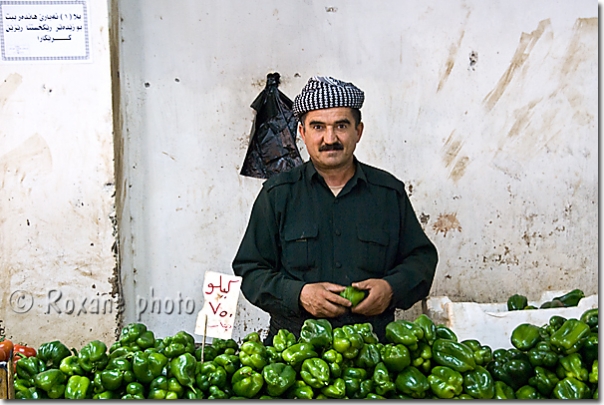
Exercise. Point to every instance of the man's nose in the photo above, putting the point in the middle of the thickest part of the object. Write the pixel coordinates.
(330, 136)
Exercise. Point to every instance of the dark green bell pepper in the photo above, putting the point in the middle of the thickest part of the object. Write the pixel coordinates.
(368, 356)
(421, 357)
(395, 356)
(590, 317)
(517, 302)
(210, 374)
(317, 332)
(183, 367)
(230, 362)
(300, 390)
(511, 366)
(336, 389)
(455, 355)
(528, 392)
(405, 333)
(554, 323)
(544, 381)
(51, 353)
(571, 298)
(147, 365)
(570, 337)
(180, 343)
(252, 337)
(354, 295)
(223, 344)
(209, 353)
(479, 383)
(443, 332)
(52, 381)
(111, 379)
(334, 360)
(571, 388)
(283, 339)
(525, 336)
(93, 356)
(315, 372)
(78, 387)
(382, 382)
(589, 350)
(28, 367)
(71, 366)
(552, 304)
(131, 332)
(572, 366)
(253, 354)
(445, 382)
(412, 382)
(279, 377)
(106, 395)
(272, 355)
(366, 331)
(30, 393)
(217, 393)
(347, 341)
(542, 355)
(297, 353)
(247, 382)
(483, 354)
(428, 326)
(352, 377)
(503, 391)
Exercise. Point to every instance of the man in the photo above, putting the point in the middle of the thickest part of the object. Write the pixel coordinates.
(330, 223)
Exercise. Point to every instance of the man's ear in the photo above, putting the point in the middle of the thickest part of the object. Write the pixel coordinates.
(359, 129)
(301, 131)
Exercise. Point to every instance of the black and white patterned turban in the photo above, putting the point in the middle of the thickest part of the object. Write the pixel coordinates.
(326, 92)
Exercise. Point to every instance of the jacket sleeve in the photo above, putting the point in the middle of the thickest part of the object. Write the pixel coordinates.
(412, 277)
(258, 262)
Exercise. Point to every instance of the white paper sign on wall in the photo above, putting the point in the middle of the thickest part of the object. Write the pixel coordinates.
(220, 295)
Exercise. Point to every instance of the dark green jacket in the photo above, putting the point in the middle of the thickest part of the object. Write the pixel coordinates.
(299, 233)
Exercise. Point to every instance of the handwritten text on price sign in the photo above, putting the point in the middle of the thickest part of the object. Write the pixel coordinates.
(220, 295)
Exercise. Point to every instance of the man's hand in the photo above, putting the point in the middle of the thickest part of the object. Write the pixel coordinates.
(378, 299)
(322, 300)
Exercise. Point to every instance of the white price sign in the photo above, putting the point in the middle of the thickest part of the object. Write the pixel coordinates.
(220, 296)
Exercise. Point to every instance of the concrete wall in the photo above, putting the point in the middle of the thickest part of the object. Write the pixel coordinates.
(57, 184)
(487, 110)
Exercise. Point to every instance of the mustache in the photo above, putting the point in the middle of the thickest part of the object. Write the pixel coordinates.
(332, 146)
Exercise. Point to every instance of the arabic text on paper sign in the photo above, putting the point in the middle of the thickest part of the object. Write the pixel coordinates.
(220, 294)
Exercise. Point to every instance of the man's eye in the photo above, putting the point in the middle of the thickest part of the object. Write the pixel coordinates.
(317, 127)
(342, 126)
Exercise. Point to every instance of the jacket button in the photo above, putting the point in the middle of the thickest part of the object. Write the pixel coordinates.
(338, 265)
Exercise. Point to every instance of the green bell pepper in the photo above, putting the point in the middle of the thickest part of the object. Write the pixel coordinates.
(52, 381)
(253, 354)
(193, 395)
(71, 366)
(590, 317)
(554, 323)
(252, 337)
(503, 391)
(297, 353)
(381, 380)
(183, 368)
(51, 353)
(528, 392)
(552, 304)
(542, 355)
(589, 350)
(111, 380)
(405, 333)
(354, 295)
(421, 357)
(315, 372)
(570, 337)
(279, 377)
(336, 389)
(371, 395)
(272, 355)
(544, 380)
(28, 367)
(593, 374)
(221, 345)
(209, 353)
(93, 356)
(217, 393)
(511, 366)
(247, 382)
(348, 341)
(210, 374)
(334, 361)
(182, 342)
(428, 326)
(442, 332)
(395, 356)
(412, 382)
(455, 355)
(131, 332)
(369, 356)
(30, 393)
(300, 390)
(283, 339)
(517, 302)
(572, 366)
(525, 336)
(571, 388)
(483, 354)
(317, 332)
(78, 387)
(105, 395)
(147, 365)
(479, 383)
(366, 331)
(571, 298)
(352, 380)
(445, 382)
(230, 362)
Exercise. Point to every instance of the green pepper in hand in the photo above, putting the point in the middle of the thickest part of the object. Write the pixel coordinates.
(354, 295)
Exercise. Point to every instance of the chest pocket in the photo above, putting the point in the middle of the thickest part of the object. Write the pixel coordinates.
(301, 246)
(373, 245)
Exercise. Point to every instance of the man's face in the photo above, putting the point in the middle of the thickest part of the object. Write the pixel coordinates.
(330, 137)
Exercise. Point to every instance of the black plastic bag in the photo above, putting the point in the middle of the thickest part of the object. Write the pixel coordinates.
(272, 147)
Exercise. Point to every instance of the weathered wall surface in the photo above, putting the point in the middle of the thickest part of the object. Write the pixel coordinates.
(486, 110)
(57, 197)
